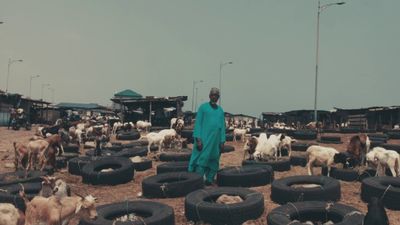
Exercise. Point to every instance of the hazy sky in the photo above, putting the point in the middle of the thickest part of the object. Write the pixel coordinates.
(88, 50)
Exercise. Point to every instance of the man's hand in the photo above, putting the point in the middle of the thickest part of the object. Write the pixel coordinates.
(199, 145)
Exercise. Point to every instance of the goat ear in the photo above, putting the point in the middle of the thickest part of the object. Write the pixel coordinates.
(78, 207)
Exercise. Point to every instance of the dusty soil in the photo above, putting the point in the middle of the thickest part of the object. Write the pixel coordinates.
(129, 191)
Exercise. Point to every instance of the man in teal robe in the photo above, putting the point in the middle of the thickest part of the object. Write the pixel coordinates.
(209, 138)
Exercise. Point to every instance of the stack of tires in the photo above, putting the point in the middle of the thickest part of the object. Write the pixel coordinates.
(123, 136)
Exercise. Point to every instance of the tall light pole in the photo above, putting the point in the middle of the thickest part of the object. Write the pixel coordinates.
(11, 61)
(43, 85)
(30, 84)
(320, 9)
(194, 85)
(52, 94)
(221, 65)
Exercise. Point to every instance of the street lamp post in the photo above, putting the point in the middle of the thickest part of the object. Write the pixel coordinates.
(30, 84)
(43, 85)
(193, 96)
(10, 61)
(320, 9)
(52, 94)
(221, 65)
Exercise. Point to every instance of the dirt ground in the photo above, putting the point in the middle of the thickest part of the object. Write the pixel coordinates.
(129, 191)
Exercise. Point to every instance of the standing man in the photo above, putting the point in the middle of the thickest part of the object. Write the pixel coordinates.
(209, 135)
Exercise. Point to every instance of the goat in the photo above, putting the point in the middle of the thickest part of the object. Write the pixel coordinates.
(321, 156)
(143, 125)
(21, 155)
(382, 158)
(240, 132)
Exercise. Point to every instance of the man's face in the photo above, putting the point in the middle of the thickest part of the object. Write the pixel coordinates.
(214, 98)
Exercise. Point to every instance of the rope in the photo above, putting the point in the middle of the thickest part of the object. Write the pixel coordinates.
(352, 213)
(384, 193)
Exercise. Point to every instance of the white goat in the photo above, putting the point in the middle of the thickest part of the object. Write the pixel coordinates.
(382, 159)
(319, 155)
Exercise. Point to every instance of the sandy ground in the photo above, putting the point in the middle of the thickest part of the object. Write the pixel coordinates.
(129, 191)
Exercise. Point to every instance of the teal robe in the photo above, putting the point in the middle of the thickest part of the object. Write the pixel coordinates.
(210, 129)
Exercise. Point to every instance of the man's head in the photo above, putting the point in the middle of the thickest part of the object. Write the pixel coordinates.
(214, 95)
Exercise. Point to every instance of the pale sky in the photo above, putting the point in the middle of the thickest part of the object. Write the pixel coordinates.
(88, 50)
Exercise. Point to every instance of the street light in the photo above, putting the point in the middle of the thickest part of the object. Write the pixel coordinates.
(43, 85)
(11, 61)
(52, 94)
(320, 9)
(30, 84)
(194, 84)
(221, 65)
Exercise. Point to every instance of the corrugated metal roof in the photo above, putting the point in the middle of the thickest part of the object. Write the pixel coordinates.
(79, 105)
(128, 94)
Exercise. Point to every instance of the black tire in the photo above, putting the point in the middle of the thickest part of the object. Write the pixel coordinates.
(246, 176)
(153, 213)
(305, 135)
(393, 135)
(228, 148)
(391, 147)
(61, 162)
(377, 143)
(315, 211)
(280, 165)
(143, 165)
(378, 136)
(72, 148)
(282, 192)
(331, 138)
(171, 185)
(132, 152)
(75, 165)
(255, 130)
(350, 130)
(128, 136)
(384, 140)
(123, 171)
(188, 134)
(176, 156)
(229, 137)
(32, 176)
(138, 143)
(114, 148)
(366, 174)
(104, 153)
(341, 174)
(298, 160)
(173, 167)
(301, 147)
(200, 206)
(69, 155)
(11, 194)
(379, 187)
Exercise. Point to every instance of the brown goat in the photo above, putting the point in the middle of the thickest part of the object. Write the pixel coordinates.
(21, 155)
(359, 146)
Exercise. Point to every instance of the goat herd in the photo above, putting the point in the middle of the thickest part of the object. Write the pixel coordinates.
(32, 195)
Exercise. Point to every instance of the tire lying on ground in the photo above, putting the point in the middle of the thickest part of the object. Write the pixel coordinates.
(182, 155)
(188, 134)
(298, 160)
(393, 134)
(75, 165)
(104, 152)
(145, 164)
(173, 167)
(283, 164)
(284, 191)
(132, 152)
(69, 155)
(315, 211)
(229, 137)
(228, 148)
(150, 213)
(305, 135)
(330, 140)
(11, 193)
(302, 147)
(391, 147)
(122, 172)
(19, 177)
(61, 162)
(74, 148)
(245, 176)
(137, 143)
(366, 174)
(128, 136)
(201, 206)
(171, 185)
(114, 148)
(341, 174)
(387, 188)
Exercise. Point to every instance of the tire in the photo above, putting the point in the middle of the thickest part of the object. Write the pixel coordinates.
(153, 213)
(128, 136)
(61, 162)
(298, 160)
(305, 135)
(114, 148)
(280, 165)
(255, 130)
(33, 176)
(301, 147)
(71, 148)
(282, 192)
(228, 148)
(391, 147)
(331, 138)
(173, 167)
(175, 156)
(104, 153)
(229, 137)
(377, 186)
(11, 194)
(69, 156)
(144, 165)
(75, 165)
(376, 143)
(188, 134)
(378, 136)
(132, 152)
(374, 139)
(138, 143)
(122, 173)
(366, 174)
(393, 135)
(246, 176)
(171, 185)
(341, 174)
(315, 211)
(349, 130)
(200, 206)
